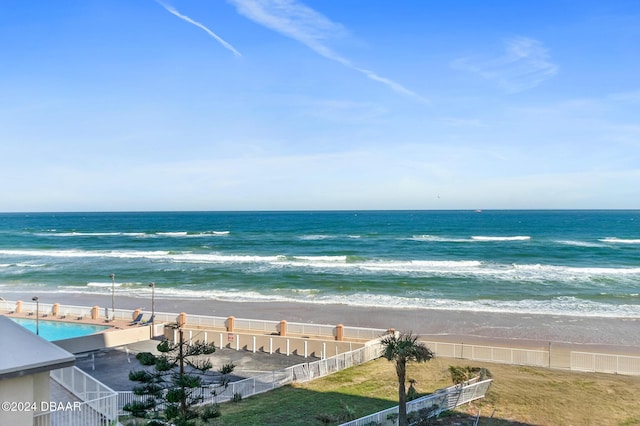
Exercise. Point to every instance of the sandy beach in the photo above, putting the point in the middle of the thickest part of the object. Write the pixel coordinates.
(619, 335)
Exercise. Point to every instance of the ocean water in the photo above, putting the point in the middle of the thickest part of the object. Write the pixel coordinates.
(584, 263)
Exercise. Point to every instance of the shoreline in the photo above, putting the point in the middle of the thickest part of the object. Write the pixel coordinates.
(528, 329)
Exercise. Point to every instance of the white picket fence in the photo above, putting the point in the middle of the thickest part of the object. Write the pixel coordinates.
(436, 403)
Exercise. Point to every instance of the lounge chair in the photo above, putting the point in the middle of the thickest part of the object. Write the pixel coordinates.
(137, 320)
(149, 321)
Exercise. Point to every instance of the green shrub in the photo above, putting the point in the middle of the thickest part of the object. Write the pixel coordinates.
(146, 358)
(163, 363)
(210, 411)
(138, 408)
(460, 375)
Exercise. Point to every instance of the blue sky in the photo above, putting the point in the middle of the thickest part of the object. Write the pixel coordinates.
(321, 104)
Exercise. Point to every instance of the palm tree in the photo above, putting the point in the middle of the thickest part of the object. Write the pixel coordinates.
(401, 348)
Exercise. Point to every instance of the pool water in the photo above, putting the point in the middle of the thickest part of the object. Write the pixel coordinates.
(56, 330)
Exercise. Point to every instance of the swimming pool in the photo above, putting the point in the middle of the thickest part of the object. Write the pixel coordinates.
(57, 330)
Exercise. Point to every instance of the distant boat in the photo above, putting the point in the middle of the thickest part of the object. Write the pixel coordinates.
(478, 211)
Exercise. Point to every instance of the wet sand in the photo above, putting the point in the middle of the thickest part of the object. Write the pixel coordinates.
(458, 326)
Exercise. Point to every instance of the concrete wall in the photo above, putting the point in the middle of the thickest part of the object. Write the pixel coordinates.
(18, 393)
(107, 339)
(288, 345)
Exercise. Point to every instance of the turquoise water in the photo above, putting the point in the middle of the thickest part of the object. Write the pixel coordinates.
(55, 330)
(557, 262)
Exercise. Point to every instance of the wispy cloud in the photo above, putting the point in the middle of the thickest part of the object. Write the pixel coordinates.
(174, 12)
(525, 64)
(309, 27)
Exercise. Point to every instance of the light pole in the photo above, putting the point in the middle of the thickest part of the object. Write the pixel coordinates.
(153, 306)
(35, 299)
(113, 293)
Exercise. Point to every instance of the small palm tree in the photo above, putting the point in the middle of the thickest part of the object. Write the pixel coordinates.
(402, 348)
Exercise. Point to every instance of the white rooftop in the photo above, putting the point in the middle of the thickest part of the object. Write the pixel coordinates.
(24, 353)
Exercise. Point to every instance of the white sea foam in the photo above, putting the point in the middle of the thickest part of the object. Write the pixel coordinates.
(157, 255)
(22, 265)
(345, 265)
(173, 234)
(53, 233)
(491, 238)
(579, 243)
(435, 238)
(615, 240)
(340, 259)
(104, 284)
(564, 306)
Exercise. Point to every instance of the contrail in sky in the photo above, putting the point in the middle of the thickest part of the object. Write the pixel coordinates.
(199, 25)
(525, 65)
(311, 28)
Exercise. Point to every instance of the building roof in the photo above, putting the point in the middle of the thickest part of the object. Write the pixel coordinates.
(25, 353)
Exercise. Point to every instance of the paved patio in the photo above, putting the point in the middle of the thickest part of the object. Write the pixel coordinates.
(112, 366)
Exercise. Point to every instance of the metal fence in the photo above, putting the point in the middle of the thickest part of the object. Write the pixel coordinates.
(96, 404)
(512, 356)
(605, 363)
(265, 382)
(434, 404)
(580, 361)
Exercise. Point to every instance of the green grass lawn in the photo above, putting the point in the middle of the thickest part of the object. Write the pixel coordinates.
(348, 394)
(518, 396)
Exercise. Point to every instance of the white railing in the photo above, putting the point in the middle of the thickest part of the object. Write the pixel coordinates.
(274, 379)
(580, 361)
(320, 330)
(501, 355)
(363, 333)
(203, 321)
(97, 405)
(605, 363)
(434, 404)
(263, 326)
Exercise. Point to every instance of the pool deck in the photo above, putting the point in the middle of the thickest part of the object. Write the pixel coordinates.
(119, 332)
(116, 324)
